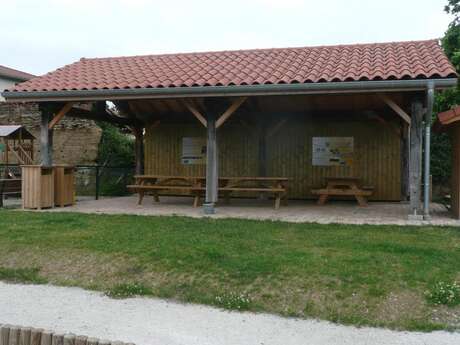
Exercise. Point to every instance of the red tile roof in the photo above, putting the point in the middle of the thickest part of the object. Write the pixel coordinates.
(449, 116)
(379, 61)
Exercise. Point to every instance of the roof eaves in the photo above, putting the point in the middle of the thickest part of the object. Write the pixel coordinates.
(234, 90)
(15, 74)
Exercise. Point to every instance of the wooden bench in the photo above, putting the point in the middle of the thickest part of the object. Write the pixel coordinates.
(141, 189)
(196, 186)
(343, 186)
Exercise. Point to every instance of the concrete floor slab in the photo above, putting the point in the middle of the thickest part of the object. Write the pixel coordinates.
(297, 211)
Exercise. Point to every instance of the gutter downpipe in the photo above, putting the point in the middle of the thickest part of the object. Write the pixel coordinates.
(428, 115)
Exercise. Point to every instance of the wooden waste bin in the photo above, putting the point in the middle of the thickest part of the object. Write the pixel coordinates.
(37, 186)
(64, 185)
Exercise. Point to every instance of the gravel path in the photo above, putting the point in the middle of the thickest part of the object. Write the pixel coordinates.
(152, 321)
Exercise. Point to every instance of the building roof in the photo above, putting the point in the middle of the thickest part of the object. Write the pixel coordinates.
(13, 132)
(14, 74)
(449, 116)
(342, 63)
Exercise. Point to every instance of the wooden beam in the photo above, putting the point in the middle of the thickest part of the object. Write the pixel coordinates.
(65, 109)
(195, 112)
(415, 163)
(396, 108)
(405, 167)
(231, 109)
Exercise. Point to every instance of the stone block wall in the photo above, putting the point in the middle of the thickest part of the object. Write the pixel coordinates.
(75, 140)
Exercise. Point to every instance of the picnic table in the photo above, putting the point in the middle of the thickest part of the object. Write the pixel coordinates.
(343, 186)
(196, 186)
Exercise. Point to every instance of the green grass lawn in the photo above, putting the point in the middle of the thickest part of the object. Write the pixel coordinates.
(362, 275)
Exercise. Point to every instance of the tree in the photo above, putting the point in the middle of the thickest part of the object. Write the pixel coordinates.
(453, 7)
(441, 146)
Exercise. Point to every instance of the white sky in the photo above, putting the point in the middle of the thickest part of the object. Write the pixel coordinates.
(41, 35)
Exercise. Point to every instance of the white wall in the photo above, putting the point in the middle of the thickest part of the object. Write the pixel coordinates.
(5, 84)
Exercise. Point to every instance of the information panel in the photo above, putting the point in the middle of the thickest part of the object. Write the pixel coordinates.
(331, 151)
(193, 150)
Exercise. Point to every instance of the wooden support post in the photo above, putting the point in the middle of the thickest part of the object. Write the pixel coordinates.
(14, 335)
(69, 339)
(455, 179)
(211, 165)
(139, 149)
(80, 340)
(36, 336)
(97, 183)
(4, 334)
(24, 337)
(46, 338)
(58, 339)
(46, 137)
(415, 164)
(405, 158)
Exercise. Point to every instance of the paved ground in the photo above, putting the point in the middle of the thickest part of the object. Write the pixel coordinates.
(158, 322)
(296, 211)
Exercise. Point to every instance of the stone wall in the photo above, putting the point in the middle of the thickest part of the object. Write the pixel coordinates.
(75, 141)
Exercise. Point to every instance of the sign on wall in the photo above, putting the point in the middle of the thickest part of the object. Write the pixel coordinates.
(193, 150)
(331, 151)
(2, 147)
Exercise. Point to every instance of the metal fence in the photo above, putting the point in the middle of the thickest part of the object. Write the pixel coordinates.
(100, 180)
(94, 180)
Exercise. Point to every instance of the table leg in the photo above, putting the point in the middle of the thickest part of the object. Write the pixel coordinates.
(196, 199)
(277, 200)
(362, 201)
(141, 197)
(323, 199)
(227, 197)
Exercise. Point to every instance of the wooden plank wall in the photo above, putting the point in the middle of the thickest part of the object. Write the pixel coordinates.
(455, 135)
(289, 152)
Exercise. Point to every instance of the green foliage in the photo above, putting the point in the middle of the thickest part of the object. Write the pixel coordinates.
(128, 290)
(441, 155)
(453, 7)
(115, 147)
(444, 293)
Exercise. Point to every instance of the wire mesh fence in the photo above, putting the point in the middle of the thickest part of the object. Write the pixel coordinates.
(97, 180)
(90, 180)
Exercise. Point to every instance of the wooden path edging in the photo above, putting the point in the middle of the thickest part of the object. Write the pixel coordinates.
(16, 335)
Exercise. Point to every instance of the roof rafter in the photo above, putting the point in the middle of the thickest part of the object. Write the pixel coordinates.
(396, 108)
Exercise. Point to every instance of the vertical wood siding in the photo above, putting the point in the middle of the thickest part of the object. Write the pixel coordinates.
(377, 153)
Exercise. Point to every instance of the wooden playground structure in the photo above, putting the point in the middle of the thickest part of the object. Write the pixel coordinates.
(16, 147)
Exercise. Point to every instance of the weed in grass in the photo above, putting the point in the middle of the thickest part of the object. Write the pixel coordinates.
(444, 293)
(21, 275)
(128, 290)
(233, 301)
